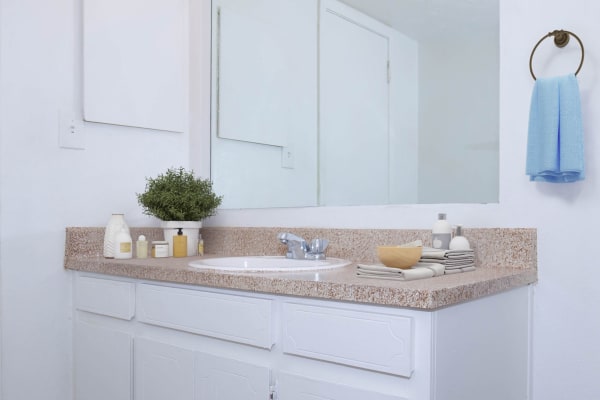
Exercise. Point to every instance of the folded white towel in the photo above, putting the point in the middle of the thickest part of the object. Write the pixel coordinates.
(437, 268)
(451, 263)
(448, 260)
(459, 266)
(459, 270)
(417, 271)
(451, 259)
(430, 252)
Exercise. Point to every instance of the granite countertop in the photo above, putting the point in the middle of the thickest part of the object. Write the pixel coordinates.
(340, 284)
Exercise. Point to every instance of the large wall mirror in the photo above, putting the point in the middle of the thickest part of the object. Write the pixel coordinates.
(354, 102)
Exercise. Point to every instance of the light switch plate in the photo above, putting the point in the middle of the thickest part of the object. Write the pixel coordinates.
(71, 133)
(287, 158)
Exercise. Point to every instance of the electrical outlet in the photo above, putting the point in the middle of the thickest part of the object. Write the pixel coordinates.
(71, 133)
(287, 158)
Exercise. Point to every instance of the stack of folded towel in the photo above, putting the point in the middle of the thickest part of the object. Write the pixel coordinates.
(454, 261)
(420, 270)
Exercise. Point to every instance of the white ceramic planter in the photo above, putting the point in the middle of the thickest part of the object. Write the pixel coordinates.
(190, 228)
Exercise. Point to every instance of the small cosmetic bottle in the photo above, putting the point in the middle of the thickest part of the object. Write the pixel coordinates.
(441, 234)
(200, 245)
(141, 247)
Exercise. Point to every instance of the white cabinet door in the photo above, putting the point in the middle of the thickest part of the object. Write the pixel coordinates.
(296, 387)
(354, 108)
(103, 363)
(219, 378)
(163, 371)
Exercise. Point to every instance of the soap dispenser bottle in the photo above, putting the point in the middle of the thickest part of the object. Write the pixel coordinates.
(441, 233)
(180, 244)
(459, 242)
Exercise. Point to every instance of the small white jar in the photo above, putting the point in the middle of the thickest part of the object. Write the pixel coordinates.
(160, 249)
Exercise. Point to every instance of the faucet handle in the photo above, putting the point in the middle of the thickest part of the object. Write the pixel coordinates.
(318, 245)
(317, 249)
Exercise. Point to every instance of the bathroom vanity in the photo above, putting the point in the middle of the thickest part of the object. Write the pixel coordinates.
(158, 329)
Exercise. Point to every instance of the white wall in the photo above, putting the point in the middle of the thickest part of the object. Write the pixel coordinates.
(566, 352)
(44, 189)
(458, 121)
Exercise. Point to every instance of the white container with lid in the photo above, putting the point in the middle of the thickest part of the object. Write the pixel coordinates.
(160, 249)
(459, 242)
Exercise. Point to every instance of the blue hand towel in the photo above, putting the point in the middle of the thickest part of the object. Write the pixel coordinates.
(555, 141)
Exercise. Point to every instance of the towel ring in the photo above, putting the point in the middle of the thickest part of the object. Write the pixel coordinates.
(561, 38)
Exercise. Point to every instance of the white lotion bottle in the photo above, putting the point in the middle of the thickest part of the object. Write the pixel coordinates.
(441, 234)
(459, 242)
(123, 245)
(114, 226)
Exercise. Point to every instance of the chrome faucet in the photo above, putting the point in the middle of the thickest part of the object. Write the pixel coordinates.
(299, 249)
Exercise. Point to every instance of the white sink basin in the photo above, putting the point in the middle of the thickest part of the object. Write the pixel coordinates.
(267, 263)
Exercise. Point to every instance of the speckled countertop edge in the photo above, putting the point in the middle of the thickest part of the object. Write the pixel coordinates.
(518, 268)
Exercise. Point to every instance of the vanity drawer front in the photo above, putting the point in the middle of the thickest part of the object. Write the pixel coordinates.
(239, 319)
(370, 340)
(105, 296)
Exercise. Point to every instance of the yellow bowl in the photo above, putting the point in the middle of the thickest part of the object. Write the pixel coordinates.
(399, 257)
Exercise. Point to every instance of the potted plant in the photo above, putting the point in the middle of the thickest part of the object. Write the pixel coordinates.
(179, 200)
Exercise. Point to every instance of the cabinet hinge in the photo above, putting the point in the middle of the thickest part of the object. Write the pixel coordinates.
(389, 72)
(272, 393)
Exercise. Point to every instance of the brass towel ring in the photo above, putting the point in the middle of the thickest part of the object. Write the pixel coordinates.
(561, 38)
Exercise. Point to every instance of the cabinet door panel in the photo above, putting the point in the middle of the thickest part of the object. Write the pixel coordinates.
(219, 378)
(296, 387)
(163, 372)
(103, 363)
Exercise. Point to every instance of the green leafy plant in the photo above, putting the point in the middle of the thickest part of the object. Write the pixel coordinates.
(178, 196)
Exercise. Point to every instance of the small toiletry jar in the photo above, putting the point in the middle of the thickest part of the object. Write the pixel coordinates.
(160, 249)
